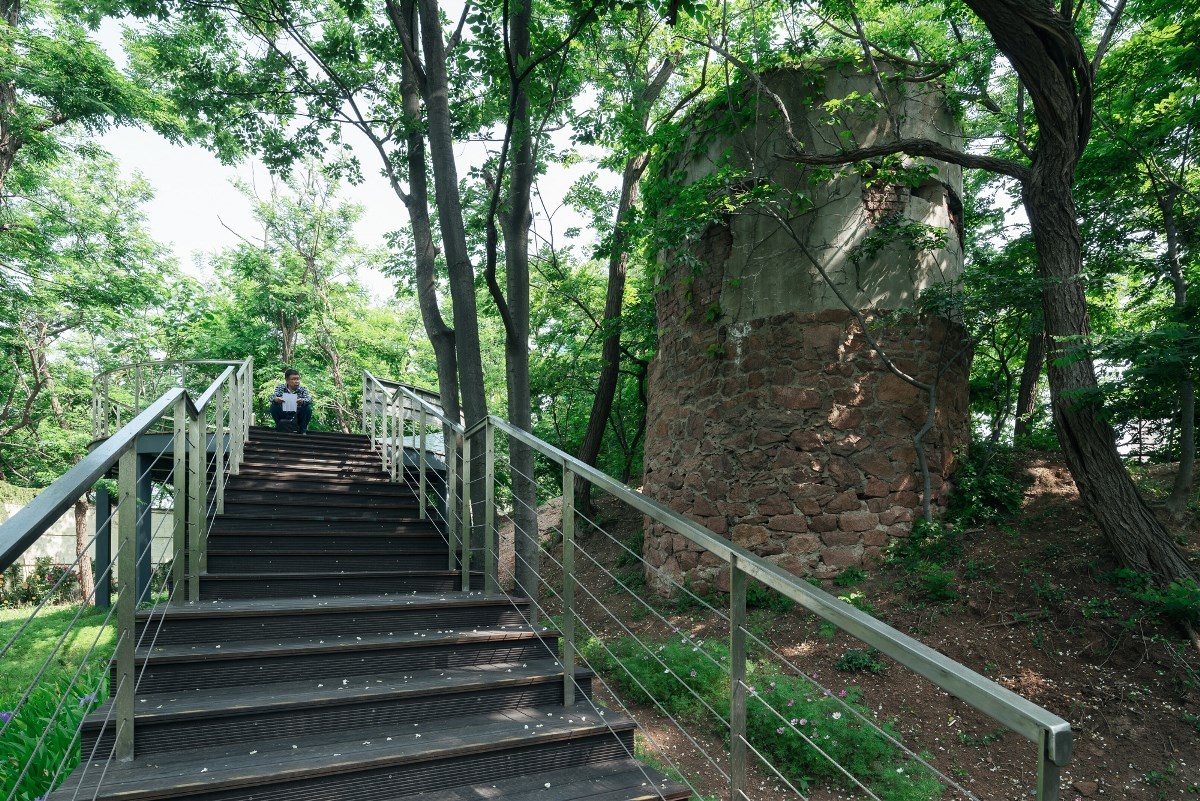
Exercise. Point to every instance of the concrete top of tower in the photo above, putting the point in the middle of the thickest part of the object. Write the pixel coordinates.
(880, 231)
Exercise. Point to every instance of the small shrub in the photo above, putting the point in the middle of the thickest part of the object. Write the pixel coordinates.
(760, 596)
(46, 582)
(850, 577)
(936, 583)
(929, 542)
(859, 661)
(1178, 602)
(984, 489)
(786, 716)
(677, 673)
(47, 710)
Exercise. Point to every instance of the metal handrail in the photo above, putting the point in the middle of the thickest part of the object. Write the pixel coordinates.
(1051, 733)
(103, 402)
(24, 528)
(229, 400)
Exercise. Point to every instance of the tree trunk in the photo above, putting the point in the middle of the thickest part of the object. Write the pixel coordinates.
(1181, 491)
(417, 203)
(610, 354)
(1049, 59)
(450, 217)
(516, 340)
(10, 140)
(436, 92)
(87, 582)
(1031, 373)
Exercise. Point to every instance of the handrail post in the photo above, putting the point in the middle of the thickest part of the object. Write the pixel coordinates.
(104, 417)
(452, 501)
(489, 515)
(179, 479)
(123, 703)
(137, 390)
(737, 680)
(219, 448)
(421, 453)
(364, 404)
(235, 421)
(197, 480)
(568, 566)
(466, 515)
(249, 394)
(104, 509)
(1048, 771)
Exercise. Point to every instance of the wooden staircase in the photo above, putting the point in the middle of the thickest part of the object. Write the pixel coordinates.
(331, 656)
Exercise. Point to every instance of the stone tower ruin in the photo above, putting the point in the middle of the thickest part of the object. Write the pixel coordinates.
(772, 420)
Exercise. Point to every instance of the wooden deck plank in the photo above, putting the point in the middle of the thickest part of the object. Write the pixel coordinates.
(283, 648)
(153, 707)
(244, 765)
(357, 603)
(606, 781)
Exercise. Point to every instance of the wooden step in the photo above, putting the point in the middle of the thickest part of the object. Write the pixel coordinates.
(231, 524)
(224, 621)
(423, 537)
(229, 586)
(368, 764)
(241, 663)
(190, 719)
(285, 512)
(615, 780)
(331, 488)
(322, 561)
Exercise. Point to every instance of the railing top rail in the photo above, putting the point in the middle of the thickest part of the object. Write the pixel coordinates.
(22, 530)
(410, 392)
(1017, 713)
(162, 363)
(203, 401)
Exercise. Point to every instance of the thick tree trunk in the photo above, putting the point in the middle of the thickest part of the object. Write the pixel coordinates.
(417, 203)
(450, 217)
(516, 340)
(1048, 57)
(1031, 373)
(87, 582)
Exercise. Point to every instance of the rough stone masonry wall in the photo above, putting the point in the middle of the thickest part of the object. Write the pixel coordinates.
(787, 434)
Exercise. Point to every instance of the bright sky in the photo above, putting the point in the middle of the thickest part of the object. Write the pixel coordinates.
(196, 205)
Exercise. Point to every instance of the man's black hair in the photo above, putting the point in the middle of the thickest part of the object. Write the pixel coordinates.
(288, 373)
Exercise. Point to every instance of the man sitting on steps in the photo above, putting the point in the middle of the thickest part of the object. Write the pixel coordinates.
(282, 403)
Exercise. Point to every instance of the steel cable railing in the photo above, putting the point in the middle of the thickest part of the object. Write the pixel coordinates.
(545, 612)
(477, 494)
(203, 442)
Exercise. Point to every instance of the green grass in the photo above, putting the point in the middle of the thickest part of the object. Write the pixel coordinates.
(29, 653)
(41, 742)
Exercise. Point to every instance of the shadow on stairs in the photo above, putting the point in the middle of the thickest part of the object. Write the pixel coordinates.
(331, 657)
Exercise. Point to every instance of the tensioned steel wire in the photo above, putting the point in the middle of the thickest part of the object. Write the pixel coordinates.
(629, 591)
(70, 627)
(853, 711)
(658, 748)
(86, 765)
(41, 672)
(785, 721)
(86, 699)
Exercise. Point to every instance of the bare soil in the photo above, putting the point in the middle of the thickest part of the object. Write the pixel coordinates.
(1038, 613)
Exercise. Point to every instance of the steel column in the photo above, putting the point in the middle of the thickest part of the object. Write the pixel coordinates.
(737, 680)
(179, 507)
(123, 701)
(568, 566)
(489, 515)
